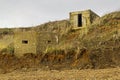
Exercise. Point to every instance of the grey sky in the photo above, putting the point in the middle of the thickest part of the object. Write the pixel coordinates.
(15, 13)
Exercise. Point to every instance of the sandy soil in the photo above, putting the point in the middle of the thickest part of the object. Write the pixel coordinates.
(88, 74)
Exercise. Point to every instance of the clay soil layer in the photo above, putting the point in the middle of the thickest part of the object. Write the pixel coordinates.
(87, 74)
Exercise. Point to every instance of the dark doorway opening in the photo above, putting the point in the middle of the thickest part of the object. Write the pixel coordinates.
(25, 41)
(79, 20)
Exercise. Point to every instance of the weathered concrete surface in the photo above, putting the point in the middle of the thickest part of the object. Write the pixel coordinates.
(88, 17)
(25, 42)
(46, 40)
(33, 42)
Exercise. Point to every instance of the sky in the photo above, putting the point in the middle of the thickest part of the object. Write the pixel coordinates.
(26, 13)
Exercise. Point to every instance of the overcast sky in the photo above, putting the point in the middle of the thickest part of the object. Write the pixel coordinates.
(16, 13)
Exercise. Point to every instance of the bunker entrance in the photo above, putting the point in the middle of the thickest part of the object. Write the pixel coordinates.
(79, 20)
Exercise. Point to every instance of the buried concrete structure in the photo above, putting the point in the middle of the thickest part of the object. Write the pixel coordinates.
(30, 41)
(27, 40)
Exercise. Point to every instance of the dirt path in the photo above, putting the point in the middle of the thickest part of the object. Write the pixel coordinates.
(101, 74)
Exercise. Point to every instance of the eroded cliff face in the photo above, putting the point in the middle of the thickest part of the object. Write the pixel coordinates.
(98, 48)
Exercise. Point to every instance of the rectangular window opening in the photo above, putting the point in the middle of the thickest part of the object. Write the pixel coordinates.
(79, 20)
(49, 41)
(25, 41)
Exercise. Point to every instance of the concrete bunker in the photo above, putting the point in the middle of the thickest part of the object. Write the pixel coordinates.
(81, 19)
(30, 41)
(45, 40)
(25, 42)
